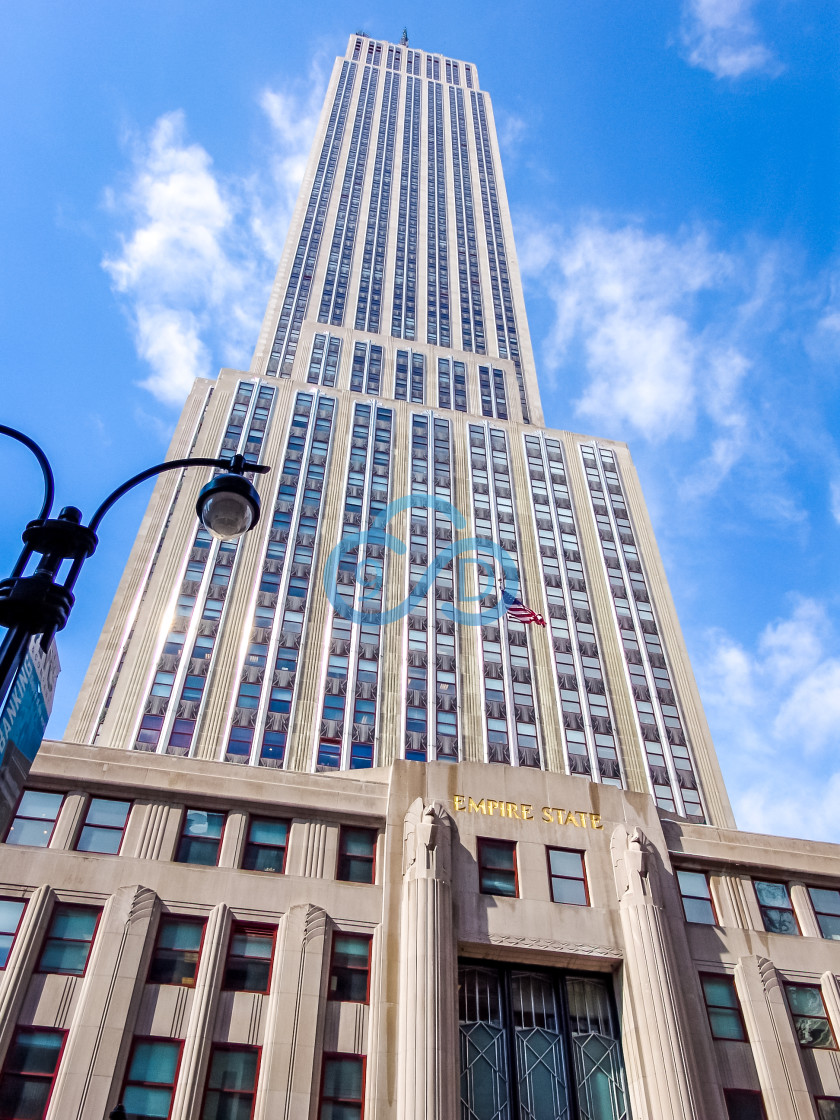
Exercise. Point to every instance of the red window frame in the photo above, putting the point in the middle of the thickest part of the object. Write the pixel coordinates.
(214, 1049)
(137, 1041)
(342, 853)
(177, 918)
(262, 931)
(322, 1100)
(252, 820)
(109, 828)
(75, 941)
(194, 809)
(734, 1094)
(16, 931)
(483, 844)
(697, 897)
(359, 937)
(17, 808)
(36, 1076)
(552, 875)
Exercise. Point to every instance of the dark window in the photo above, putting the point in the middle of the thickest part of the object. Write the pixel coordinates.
(175, 959)
(723, 1008)
(809, 1018)
(350, 968)
(29, 1072)
(697, 898)
(568, 877)
(231, 1083)
(201, 838)
(248, 966)
(827, 907)
(35, 819)
(150, 1081)
(11, 912)
(776, 909)
(104, 826)
(265, 848)
(742, 1104)
(342, 1087)
(828, 1108)
(356, 855)
(69, 939)
(497, 867)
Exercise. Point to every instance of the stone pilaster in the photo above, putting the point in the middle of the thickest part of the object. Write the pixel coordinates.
(290, 1067)
(661, 1072)
(199, 1033)
(773, 1039)
(804, 910)
(428, 1028)
(106, 1007)
(22, 961)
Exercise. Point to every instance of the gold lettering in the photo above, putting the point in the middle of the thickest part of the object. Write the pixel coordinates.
(460, 802)
(595, 820)
(546, 814)
(476, 806)
(512, 810)
(572, 819)
(582, 819)
(527, 812)
(491, 805)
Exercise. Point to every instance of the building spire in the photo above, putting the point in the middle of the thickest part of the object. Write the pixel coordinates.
(404, 37)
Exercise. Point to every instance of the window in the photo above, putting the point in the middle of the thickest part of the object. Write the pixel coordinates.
(35, 819)
(150, 1081)
(776, 909)
(178, 945)
(201, 838)
(723, 1008)
(231, 1083)
(828, 1108)
(248, 966)
(11, 912)
(350, 968)
(69, 939)
(29, 1072)
(696, 897)
(104, 826)
(827, 907)
(356, 855)
(809, 1018)
(558, 1031)
(743, 1104)
(497, 867)
(567, 876)
(265, 848)
(342, 1087)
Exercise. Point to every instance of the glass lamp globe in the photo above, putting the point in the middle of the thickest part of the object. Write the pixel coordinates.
(228, 506)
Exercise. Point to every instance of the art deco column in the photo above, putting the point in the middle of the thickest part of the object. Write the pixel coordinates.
(199, 1033)
(427, 1055)
(106, 1007)
(663, 1080)
(775, 1048)
(21, 962)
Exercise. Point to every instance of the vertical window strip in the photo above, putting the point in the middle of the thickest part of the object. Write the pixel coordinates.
(403, 320)
(670, 766)
(460, 380)
(357, 50)
(316, 359)
(286, 337)
(472, 315)
(588, 726)
(442, 635)
(337, 276)
(500, 398)
(324, 359)
(366, 372)
(484, 388)
(401, 375)
(419, 627)
(444, 384)
(187, 629)
(418, 378)
(506, 328)
(369, 303)
(438, 321)
(397, 63)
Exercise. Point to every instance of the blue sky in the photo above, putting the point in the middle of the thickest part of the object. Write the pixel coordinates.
(672, 169)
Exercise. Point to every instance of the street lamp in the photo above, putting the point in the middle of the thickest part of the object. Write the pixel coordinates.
(227, 506)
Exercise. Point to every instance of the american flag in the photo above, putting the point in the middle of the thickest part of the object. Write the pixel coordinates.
(520, 612)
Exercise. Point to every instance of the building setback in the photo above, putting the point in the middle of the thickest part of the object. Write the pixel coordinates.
(333, 835)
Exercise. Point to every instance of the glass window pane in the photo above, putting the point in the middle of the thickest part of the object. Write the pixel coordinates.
(829, 926)
(10, 914)
(343, 1078)
(829, 1108)
(827, 902)
(155, 1062)
(43, 806)
(74, 924)
(105, 841)
(233, 1070)
(259, 858)
(814, 1034)
(779, 921)
(64, 956)
(206, 825)
(34, 833)
(693, 883)
(110, 814)
(146, 1103)
(24, 1098)
(269, 832)
(719, 992)
(725, 1023)
(254, 945)
(805, 1000)
(35, 1051)
(357, 841)
(498, 856)
(175, 934)
(772, 894)
(566, 863)
(570, 891)
(498, 882)
(699, 910)
(743, 1105)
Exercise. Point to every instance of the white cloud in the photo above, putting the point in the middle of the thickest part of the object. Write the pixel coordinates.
(775, 717)
(721, 36)
(197, 249)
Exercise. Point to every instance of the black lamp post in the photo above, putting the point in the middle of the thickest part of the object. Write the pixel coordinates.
(30, 605)
(117, 1113)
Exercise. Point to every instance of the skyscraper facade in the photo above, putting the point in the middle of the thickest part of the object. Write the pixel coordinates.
(404, 804)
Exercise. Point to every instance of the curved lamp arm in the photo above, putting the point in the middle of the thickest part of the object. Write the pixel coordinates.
(43, 462)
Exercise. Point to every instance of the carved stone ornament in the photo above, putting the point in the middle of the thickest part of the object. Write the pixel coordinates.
(427, 841)
(629, 852)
